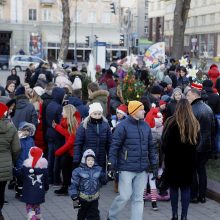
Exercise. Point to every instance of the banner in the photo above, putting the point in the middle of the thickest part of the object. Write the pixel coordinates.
(155, 54)
(35, 45)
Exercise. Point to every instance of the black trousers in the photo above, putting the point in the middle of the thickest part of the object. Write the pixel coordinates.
(199, 184)
(88, 211)
(2, 194)
(66, 167)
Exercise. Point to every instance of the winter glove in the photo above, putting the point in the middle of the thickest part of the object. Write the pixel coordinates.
(76, 203)
(155, 172)
(111, 172)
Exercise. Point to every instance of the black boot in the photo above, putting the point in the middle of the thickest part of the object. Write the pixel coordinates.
(175, 217)
(62, 191)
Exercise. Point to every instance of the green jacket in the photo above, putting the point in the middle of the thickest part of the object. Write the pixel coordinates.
(9, 148)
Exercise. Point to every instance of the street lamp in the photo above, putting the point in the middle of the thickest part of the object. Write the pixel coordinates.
(75, 43)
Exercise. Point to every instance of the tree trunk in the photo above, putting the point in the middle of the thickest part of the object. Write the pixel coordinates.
(180, 17)
(65, 31)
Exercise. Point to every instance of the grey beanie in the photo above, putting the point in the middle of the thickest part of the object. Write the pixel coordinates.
(176, 90)
(167, 80)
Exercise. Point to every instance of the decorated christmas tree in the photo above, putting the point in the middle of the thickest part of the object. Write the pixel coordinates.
(132, 89)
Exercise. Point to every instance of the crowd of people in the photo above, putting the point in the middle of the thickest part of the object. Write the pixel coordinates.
(60, 128)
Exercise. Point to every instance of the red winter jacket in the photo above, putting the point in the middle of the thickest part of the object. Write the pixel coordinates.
(213, 73)
(62, 128)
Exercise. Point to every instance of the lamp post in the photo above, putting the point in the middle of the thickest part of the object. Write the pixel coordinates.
(75, 43)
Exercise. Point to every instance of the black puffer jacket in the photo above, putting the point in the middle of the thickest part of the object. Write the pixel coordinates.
(211, 99)
(204, 115)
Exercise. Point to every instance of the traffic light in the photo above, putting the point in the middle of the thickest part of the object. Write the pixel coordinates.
(122, 40)
(112, 7)
(136, 43)
(87, 41)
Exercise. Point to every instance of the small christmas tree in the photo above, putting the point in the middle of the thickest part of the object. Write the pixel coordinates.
(132, 89)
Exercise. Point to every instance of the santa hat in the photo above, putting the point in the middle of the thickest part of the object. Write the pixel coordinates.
(123, 109)
(36, 153)
(196, 86)
(3, 109)
(95, 107)
(151, 115)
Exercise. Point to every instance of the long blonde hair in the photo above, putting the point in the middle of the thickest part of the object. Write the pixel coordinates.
(187, 122)
(71, 119)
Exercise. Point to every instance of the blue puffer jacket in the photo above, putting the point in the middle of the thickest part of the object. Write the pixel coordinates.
(86, 181)
(78, 103)
(93, 136)
(132, 148)
(54, 112)
(26, 144)
(205, 117)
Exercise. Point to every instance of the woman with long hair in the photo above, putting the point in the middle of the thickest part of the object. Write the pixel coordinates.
(67, 127)
(179, 141)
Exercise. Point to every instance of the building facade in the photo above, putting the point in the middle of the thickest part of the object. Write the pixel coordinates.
(36, 27)
(202, 34)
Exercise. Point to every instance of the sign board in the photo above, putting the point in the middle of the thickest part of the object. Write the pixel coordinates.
(100, 53)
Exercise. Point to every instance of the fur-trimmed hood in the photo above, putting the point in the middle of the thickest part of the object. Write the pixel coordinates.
(87, 119)
(100, 92)
(41, 163)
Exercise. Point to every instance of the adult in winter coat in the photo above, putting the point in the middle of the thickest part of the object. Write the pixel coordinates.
(9, 152)
(55, 140)
(204, 115)
(94, 133)
(67, 127)
(213, 73)
(131, 153)
(14, 77)
(210, 97)
(29, 72)
(179, 141)
(98, 95)
(24, 110)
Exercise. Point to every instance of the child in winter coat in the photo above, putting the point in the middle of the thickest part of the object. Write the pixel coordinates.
(155, 120)
(121, 114)
(67, 127)
(85, 185)
(35, 182)
(25, 132)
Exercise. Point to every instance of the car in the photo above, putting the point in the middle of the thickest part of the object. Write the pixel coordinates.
(4, 62)
(21, 62)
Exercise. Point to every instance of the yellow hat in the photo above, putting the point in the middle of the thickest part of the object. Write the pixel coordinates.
(134, 107)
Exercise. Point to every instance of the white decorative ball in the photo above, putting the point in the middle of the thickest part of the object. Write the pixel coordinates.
(31, 170)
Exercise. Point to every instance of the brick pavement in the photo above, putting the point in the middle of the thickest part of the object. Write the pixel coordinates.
(60, 208)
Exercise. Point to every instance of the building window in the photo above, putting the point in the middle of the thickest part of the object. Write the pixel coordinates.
(195, 21)
(32, 14)
(211, 45)
(106, 18)
(92, 17)
(46, 15)
(145, 29)
(212, 18)
(203, 19)
(186, 41)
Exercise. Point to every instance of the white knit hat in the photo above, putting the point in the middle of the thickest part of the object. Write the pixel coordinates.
(95, 107)
(39, 90)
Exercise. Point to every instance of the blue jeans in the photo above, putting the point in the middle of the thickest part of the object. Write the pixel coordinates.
(131, 185)
(185, 199)
(53, 163)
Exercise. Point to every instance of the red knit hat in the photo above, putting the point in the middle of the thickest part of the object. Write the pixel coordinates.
(162, 102)
(123, 109)
(36, 153)
(3, 109)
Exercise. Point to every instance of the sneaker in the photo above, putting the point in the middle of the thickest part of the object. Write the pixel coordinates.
(61, 192)
(5, 202)
(154, 206)
(194, 200)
